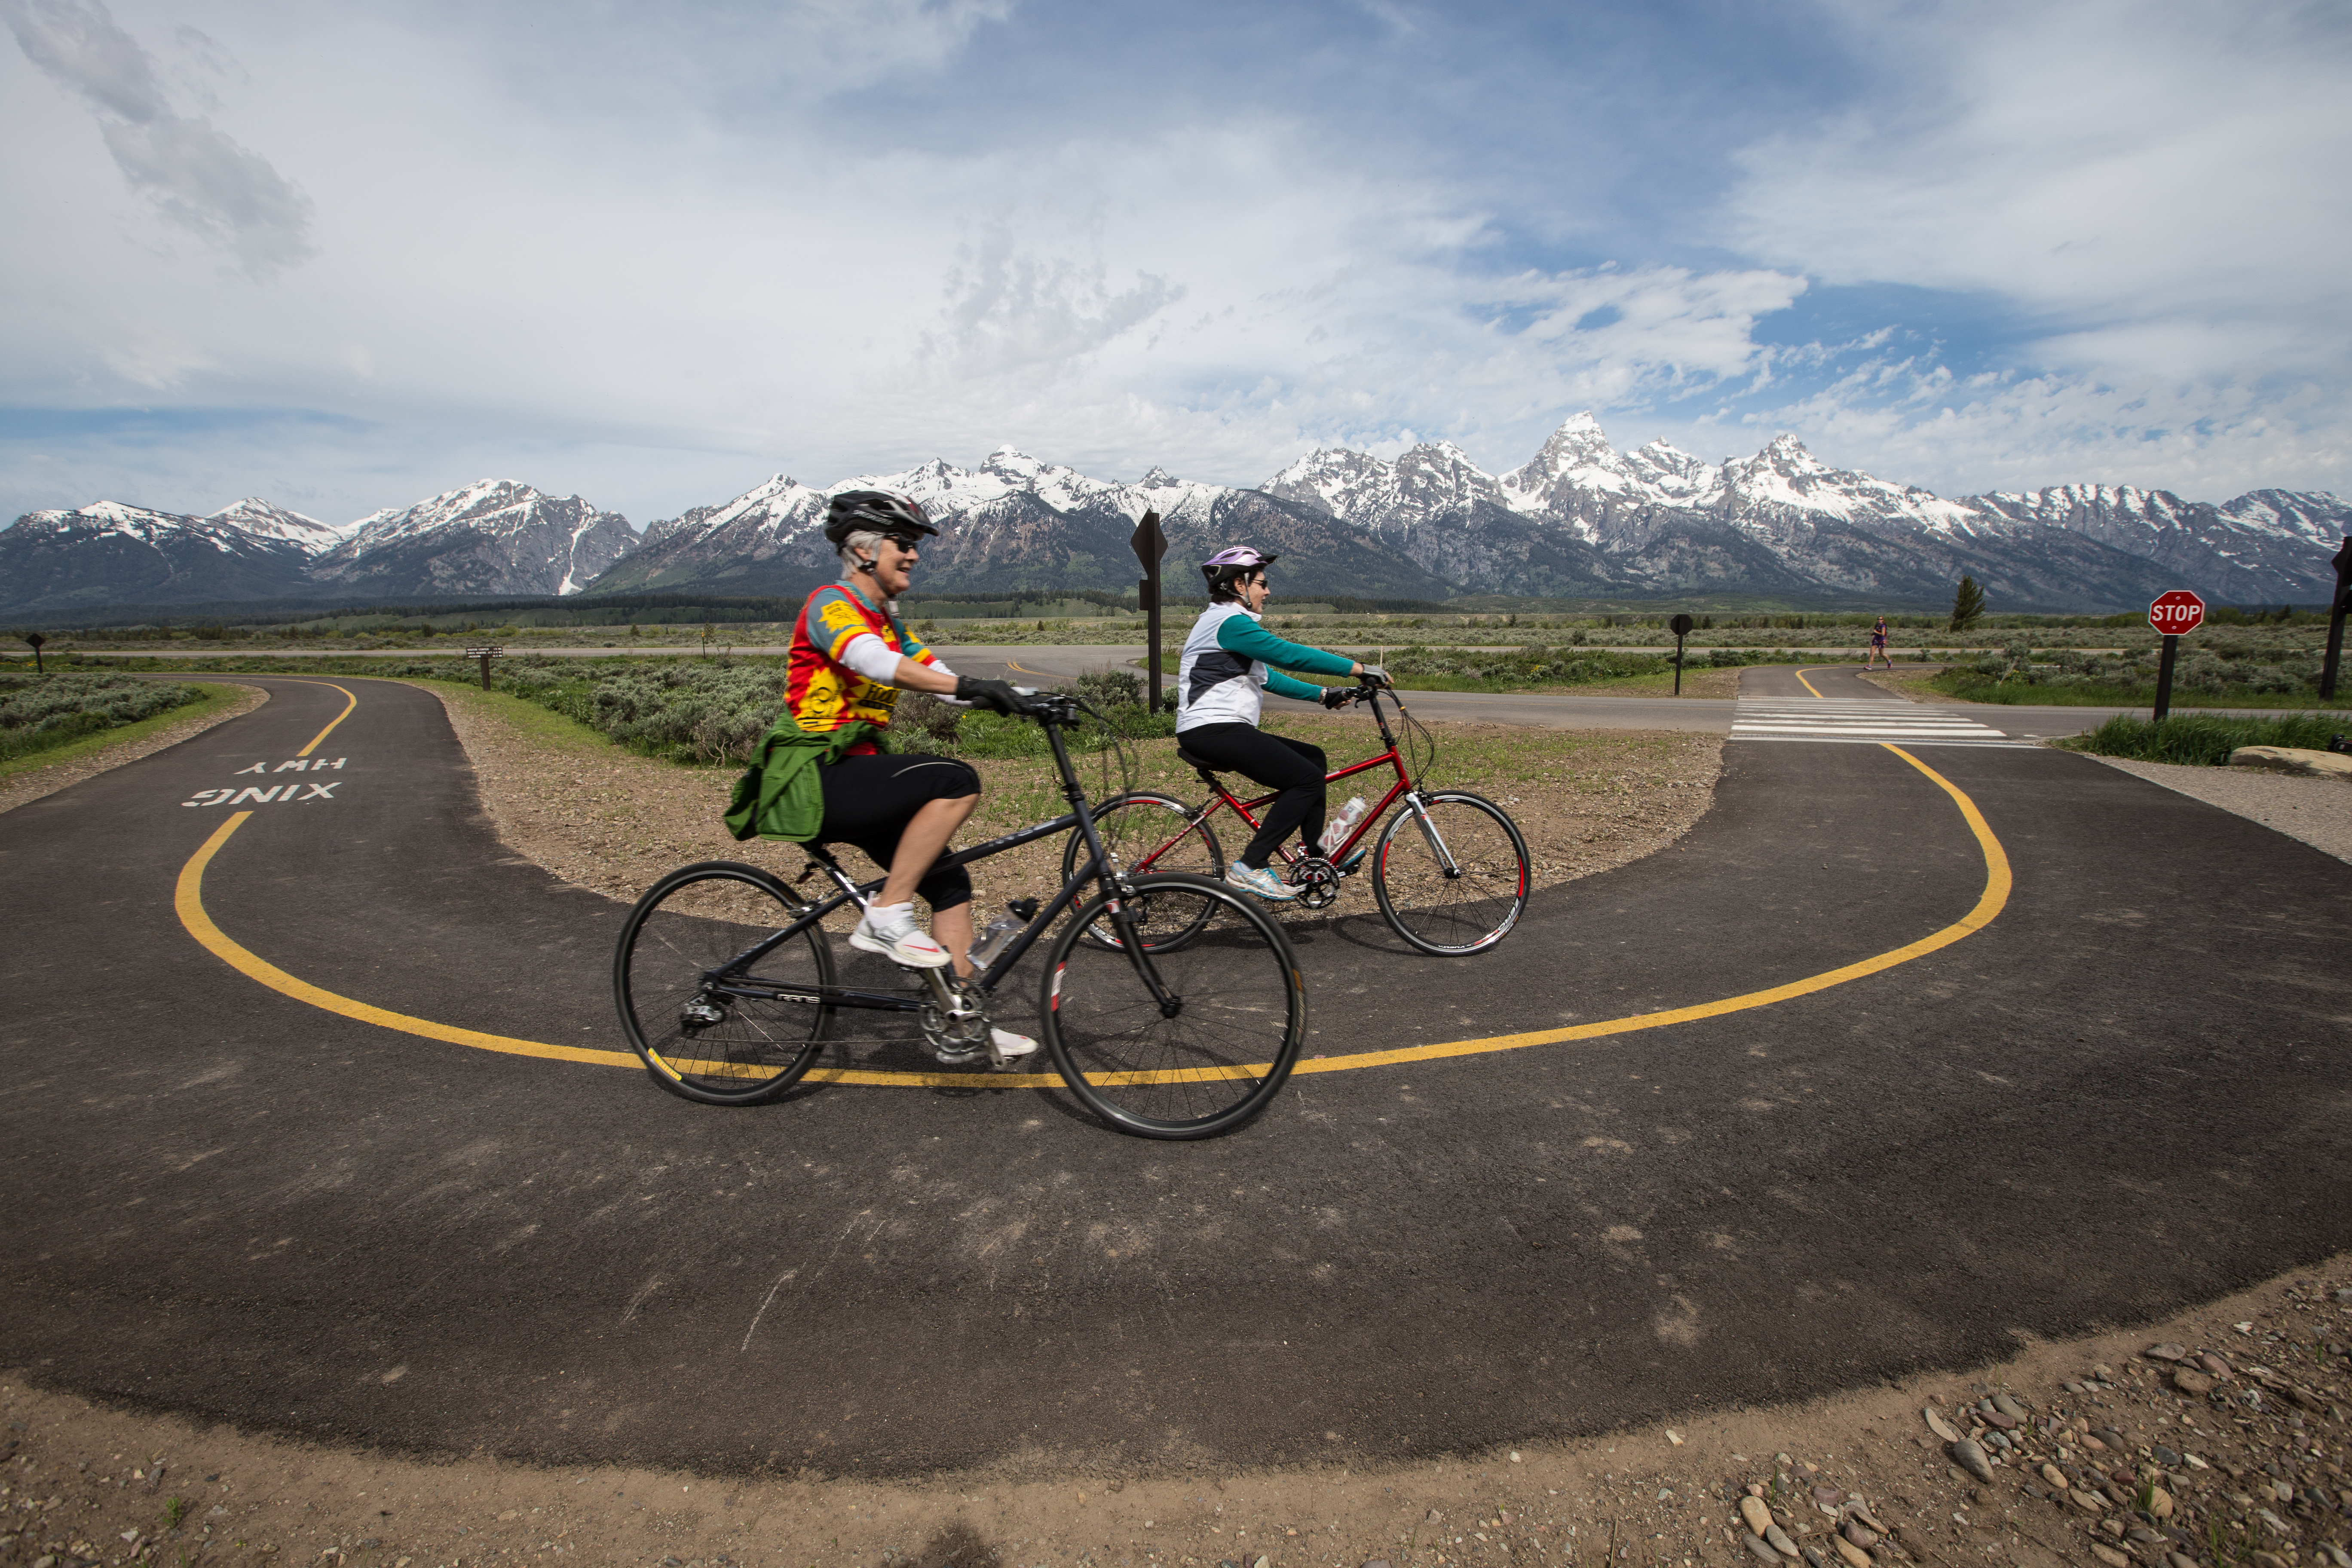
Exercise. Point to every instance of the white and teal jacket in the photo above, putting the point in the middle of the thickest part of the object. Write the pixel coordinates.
(1224, 668)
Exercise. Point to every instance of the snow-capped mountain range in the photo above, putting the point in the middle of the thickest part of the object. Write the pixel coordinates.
(493, 537)
(1579, 519)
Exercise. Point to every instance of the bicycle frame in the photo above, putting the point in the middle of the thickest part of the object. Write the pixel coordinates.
(1097, 869)
(1404, 787)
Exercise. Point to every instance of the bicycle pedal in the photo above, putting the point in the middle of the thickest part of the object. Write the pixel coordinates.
(954, 1058)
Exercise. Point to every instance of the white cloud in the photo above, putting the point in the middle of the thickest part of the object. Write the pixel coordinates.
(649, 262)
(196, 176)
(2159, 185)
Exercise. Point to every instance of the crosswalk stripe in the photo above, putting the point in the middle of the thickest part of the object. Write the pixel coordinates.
(1861, 724)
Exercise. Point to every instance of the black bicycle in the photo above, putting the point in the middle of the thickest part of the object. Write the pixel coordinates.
(729, 989)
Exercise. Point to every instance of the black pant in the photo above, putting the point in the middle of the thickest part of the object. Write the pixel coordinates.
(1294, 767)
(868, 802)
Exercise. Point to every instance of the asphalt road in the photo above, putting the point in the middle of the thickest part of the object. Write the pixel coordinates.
(2124, 1092)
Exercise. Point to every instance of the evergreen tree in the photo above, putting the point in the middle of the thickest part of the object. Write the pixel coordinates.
(1968, 604)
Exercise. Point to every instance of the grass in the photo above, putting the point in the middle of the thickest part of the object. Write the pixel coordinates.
(208, 698)
(541, 725)
(2201, 738)
(1970, 688)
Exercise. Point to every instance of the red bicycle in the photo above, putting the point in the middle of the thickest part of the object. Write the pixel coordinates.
(1449, 871)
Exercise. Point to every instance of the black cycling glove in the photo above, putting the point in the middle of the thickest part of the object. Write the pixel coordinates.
(1339, 696)
(997, 695)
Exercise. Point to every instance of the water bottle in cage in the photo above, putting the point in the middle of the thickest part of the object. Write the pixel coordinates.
(1336, 831)
(1001, 931)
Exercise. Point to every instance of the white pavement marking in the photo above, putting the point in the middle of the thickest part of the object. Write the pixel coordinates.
(1861, 723)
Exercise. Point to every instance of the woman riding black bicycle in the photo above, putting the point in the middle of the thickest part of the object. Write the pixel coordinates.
(1225, 669)
(822, 775)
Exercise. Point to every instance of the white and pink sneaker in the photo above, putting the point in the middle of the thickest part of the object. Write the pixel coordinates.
(890, 930)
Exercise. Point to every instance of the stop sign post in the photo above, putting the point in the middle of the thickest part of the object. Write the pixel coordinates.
(1680, 625)
(2172, 614)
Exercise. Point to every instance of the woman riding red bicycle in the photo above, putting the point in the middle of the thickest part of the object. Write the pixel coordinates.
(1219, 687)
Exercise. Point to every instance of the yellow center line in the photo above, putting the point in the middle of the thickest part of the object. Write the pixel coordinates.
(350, 701)
(188, 901)
(1809, 685)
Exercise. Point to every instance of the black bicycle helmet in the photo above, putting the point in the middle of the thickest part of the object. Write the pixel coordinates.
(874, 511)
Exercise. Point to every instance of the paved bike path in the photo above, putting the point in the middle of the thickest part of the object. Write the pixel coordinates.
(2121, 1094)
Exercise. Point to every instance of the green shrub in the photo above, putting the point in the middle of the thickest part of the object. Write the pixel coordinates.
(2204, 738)
(37, 713)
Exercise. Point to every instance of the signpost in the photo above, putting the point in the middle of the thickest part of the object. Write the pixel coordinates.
(2172, 614)
(1149, 545)
(36, 639)
(1680, 625)
(2336, 612)
(486, 655)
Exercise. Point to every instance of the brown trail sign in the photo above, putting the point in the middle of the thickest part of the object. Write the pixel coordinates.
(1149, 545)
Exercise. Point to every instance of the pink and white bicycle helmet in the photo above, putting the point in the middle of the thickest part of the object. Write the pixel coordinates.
(1227, 566)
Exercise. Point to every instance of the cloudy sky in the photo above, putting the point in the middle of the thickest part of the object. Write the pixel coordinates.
(347, 256)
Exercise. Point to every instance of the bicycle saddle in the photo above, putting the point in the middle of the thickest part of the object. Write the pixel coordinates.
(1190, 760)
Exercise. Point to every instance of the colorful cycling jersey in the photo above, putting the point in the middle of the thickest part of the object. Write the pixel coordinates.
(825, 694)
(1224, 669)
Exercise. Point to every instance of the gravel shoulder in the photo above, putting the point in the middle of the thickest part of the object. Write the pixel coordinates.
(605, 819)
(2212, 1440)
(2317, 811)
(46, 778)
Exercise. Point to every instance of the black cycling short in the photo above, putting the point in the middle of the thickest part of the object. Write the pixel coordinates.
(868, 802)
(1278, 761)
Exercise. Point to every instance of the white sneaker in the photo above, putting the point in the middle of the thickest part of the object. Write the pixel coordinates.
(1261, 882)
(1006, 1047)
(897, 938)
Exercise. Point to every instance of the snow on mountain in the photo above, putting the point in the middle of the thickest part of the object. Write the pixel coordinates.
(1579, 517)
(2265, 546)
(494, 536)
(110, 553)
(265, 521)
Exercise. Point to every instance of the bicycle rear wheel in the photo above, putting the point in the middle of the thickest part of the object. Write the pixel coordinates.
(1455, 883)
(705, 1012)
(1238, 1018)
(1152, 834)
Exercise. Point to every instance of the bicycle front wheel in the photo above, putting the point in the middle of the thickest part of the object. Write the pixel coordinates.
(1151, 834)
(1453, 877)
(719, 1012)
(1219, 1047)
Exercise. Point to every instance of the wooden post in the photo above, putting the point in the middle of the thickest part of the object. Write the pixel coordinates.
(2336, 612)
(2164, 677)
(1149, 545)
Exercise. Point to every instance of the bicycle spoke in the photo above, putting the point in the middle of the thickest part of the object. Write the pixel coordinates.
(1239, 1016)
(684, 941)
(1454, 881)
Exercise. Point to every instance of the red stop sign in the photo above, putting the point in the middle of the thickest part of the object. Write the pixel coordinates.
(2179, 611)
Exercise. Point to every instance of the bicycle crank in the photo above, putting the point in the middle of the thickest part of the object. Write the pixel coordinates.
(1317, 881)
(955, 1019)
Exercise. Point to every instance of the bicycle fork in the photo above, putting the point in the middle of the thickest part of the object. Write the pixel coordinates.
(1428, 827)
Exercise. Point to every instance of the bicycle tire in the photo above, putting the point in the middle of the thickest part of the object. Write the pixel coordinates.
(1162, 827)
(1450, 915)
(687, 926)
(1214, 1065)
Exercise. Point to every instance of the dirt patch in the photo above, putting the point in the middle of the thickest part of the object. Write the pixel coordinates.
(33, 783)
(2170, 1460)
(602, 818)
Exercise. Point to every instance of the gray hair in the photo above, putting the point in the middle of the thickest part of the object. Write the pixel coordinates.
(869, 540)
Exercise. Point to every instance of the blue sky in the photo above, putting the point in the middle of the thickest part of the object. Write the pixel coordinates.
(347, 258)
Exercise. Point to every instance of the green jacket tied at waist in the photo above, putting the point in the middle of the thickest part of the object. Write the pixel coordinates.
(779, 795)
